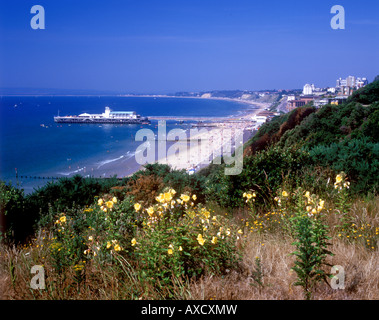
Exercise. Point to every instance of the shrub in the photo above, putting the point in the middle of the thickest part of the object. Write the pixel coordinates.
(263, 173)
(182, 239)
(15, 224)
(358, 158)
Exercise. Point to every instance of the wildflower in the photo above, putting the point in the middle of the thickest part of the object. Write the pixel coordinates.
(307, 195)
(150, 211)
(249, 195)
(169, 251)
(239, 231)
(137, 207)
(172, 191)
(100, 202)
(214, 240)
(180, 248)
(62, 219)
(338, 178)
(117, 247)
(200, 239)
(284, 194)
(134, 242)
(114, 200)
(194, 197)
(90, 238)
(185, 197)
(206, 213)
(109, 204)
(167, 196)
(108, 245)
(78, 267)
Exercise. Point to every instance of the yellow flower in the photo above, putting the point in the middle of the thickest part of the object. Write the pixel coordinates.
(284, 194)
(206, 214)
(169, 251)
(100, 202)
(180, 248)
(109, 204)
(160, 198)
(137, 206)
(214, 240)
(194, 197)
(200, 239)
(172, 191)
(108, 245)
(134, 242)
(117, 247)
(240, 231)
(114, 200)
(90, 238)
(62, 219)
(185, 197)
(167, 196)
(307, 194)
(78, 267)
(150, 211)
(338, 178)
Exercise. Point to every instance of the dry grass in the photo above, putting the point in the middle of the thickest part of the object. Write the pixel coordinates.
(360, 265)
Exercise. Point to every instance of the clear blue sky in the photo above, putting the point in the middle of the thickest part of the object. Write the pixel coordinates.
(151, 46)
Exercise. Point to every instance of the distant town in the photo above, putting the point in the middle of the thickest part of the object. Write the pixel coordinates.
(286, 100)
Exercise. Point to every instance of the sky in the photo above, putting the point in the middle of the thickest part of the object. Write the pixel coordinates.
(150, 46)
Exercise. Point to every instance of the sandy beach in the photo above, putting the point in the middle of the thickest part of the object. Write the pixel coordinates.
(210, 142)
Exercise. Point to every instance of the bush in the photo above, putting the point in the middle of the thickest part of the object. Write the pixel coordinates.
(156, 176)
(358, 158)
(263, 173)
(181, 239)
(15, 224)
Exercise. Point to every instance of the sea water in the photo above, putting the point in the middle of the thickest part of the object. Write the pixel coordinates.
(34, 149)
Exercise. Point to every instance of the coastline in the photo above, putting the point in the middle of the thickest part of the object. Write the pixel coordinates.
(127, 166)
(194, 159)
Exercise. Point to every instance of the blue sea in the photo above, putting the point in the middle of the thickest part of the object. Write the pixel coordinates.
(34, 149)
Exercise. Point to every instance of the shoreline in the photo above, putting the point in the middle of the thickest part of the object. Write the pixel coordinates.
(127, 167)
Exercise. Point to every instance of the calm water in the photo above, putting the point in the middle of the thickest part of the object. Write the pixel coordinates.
(34, 146)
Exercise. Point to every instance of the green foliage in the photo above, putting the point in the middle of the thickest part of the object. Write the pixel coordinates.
(180, 239)
(15, 221)
(68, 191)
(311, 251)
(101, 231)
(264, 173)
(311, 241)
(358, 158)
(368, 94)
